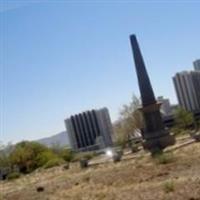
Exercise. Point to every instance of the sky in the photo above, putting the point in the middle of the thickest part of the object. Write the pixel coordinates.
(59, 58)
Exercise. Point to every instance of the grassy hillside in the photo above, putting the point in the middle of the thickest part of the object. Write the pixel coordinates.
(138, 178)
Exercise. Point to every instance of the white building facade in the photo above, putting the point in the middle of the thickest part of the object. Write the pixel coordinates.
(187, 86)
(90, 130)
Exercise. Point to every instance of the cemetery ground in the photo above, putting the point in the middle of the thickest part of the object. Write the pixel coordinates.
(172, 176)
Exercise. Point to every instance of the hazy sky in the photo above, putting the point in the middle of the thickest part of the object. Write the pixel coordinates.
(63, 57)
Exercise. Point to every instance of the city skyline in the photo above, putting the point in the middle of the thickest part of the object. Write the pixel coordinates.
(64, 58)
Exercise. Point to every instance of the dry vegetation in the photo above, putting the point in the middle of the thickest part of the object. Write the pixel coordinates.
(139, 178)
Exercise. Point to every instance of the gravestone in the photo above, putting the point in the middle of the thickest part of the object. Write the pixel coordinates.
(4, 171)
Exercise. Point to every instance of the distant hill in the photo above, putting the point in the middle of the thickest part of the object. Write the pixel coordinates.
(60, 138)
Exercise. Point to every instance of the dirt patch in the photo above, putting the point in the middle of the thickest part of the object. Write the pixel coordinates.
(140, 178)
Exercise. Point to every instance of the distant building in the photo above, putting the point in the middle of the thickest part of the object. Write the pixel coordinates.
(187, 86)
(174, 108)
(165, 106)
(196, 64)
(90, 130)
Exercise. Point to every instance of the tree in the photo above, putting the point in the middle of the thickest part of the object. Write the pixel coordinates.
(4, 160)
(129, 121)
(45, 157)
(183, 119)
(25, 155)
(4, 154)
(1, 146)
(63, 152)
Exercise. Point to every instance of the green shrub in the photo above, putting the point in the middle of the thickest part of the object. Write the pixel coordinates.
(163, 158)
(135, 148)
(89, 155)
(168, 186)
(67, 155)
(4, 160)
(64, 152)
(25, 155)
(28, 156)
(183, 118)
(77, 157)
(84, 155)
(45, 157)
(121, 142)
(13, 175)
(54, 162)
(178, 131)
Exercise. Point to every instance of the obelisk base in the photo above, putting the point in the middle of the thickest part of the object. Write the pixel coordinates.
(158, 143)
(155, 136)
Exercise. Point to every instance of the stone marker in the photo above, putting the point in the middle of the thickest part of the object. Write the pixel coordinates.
(117, 156)
(83, 163)
(4, 172)
(195, 135)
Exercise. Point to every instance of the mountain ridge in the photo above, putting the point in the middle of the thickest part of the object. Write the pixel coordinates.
(60, 139)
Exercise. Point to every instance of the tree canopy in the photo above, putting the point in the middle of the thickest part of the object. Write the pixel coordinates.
(183, 118)
(129, 121)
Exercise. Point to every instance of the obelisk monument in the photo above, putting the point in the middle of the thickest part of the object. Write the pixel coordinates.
(155, 136)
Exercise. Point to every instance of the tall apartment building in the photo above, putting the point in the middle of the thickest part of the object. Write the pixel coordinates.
(165, 106)
(196, 64)
(187, 86)
(90, 130)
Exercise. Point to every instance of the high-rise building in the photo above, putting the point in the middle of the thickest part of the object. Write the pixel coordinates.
(187, 86)
(196, 64)
(90, 130)
(165, 106)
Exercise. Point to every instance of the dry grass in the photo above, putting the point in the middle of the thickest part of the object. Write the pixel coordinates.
(140, 178)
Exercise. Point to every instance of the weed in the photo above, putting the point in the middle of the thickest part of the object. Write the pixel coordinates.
(54, 162)
(168, 186)
(13, 175)
(164, 158)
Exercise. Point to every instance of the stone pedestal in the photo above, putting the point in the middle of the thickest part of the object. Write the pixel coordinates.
(159, 143)
(155, 136)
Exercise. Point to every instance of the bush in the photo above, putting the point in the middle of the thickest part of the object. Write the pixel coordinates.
(13, 175)
(183, 118)
(135, 148)
(84, 155)
(163, 158)
(25, 155)
(4, 160)
(121, 142)
(178, 131)
(67, 155)
(54, 162)
(89, 155)
(63, 152)
(45, 157)
(168, 186)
